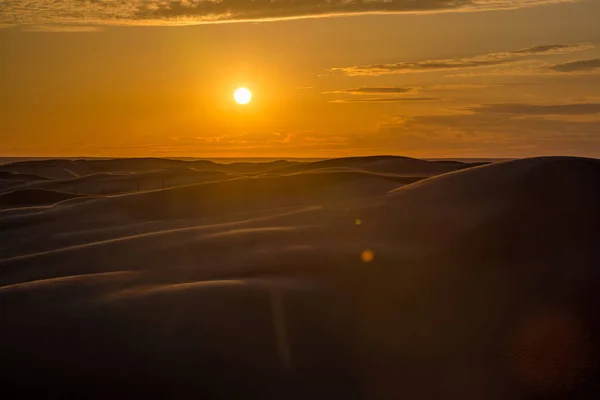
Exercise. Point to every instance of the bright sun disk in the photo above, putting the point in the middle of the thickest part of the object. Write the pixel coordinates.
(242, 96)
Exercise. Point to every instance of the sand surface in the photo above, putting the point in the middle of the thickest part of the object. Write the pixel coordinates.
(357, 278)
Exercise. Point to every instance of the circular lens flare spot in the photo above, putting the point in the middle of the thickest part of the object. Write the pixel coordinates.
(367, 255)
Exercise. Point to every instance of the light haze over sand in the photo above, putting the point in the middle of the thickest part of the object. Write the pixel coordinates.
(356, 278)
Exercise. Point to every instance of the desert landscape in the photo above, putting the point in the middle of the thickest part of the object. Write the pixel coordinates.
(378, 277)
(299, 199)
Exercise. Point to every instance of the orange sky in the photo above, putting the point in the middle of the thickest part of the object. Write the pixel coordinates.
(122, 79)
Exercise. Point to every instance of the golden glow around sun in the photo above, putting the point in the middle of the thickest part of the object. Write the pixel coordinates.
(242, 96)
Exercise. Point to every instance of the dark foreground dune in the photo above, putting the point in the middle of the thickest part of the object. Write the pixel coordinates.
(481, 283)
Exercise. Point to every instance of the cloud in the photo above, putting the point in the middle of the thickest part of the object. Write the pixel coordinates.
(62, 28)
(249, 138)
(535, 109)
(389, 94)
(571, 67)
(577, 66)
(461, 86)
(483, 60)
(513, 120)
(374, 90)
(395, 90)
(505, 126)
(413, 90)
(386, 100)
(549, 48)
(482, 133)
(261, 140)
(184, 12)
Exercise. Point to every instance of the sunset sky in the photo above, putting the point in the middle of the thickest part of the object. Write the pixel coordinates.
(422, 78)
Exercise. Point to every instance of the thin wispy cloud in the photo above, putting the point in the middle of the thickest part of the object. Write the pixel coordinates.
(254, 140)
(536, 109)
(499, 124)
(397, 94)
(400, 90)
(183, 12)
(374, 90)
(549, 48)
(63, 28)
(575, 67)
(385, 100)
(517, 120)
(482, 60)
(578, 66)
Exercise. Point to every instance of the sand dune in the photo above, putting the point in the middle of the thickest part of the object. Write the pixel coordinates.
(64, 169)
(112, 183)
(10, 179)
(476, 284)
(401, 178)
(33, 197)
(51, 169)
(399, 165)
(212, 202)
(56, 169)
(10, 175)
(549, 193)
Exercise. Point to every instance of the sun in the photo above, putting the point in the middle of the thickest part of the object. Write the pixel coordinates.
(242, 96)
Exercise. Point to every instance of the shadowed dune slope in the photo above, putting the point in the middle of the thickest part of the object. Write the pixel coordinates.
(33, 197)
(49, 169)
(9, 179)
(113, 183)
(10, 175)
(238, 195)
(406, 166)
(530, 200)
(477, 284)
(56, 168)
(259, 193)
(213, 202)
(391, 164)
(401, 178)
